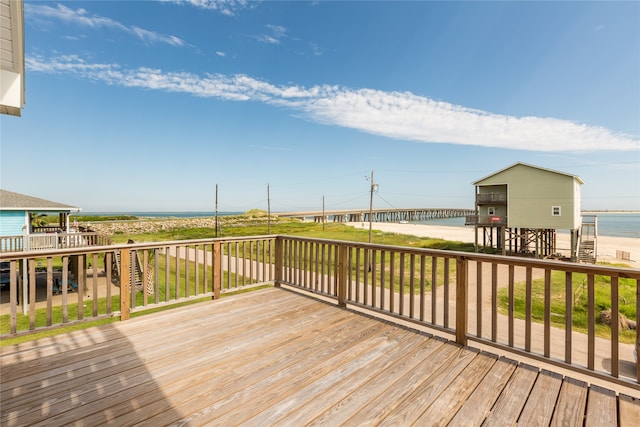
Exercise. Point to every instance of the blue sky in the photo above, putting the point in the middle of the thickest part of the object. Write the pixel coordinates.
(146, 106)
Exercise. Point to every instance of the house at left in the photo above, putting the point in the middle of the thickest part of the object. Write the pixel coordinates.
(20, 229)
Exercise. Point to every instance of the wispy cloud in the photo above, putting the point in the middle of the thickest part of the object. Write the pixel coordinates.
(398, 115)
(82, 18)
(275, 34)
(225, 7)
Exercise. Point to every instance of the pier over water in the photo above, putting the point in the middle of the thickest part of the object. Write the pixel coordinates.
(378, 215)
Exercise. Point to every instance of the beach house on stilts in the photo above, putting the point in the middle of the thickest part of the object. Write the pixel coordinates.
(520, 208)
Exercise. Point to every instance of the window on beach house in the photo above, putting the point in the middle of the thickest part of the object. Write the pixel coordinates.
(555, 210)
(491, 211)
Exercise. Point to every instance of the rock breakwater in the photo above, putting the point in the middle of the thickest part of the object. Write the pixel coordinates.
(154, 225)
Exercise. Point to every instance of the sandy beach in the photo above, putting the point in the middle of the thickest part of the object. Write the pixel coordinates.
(606, 246)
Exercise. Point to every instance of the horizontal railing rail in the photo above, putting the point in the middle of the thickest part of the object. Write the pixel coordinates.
(491, 198)
(552, 311)
(52, 240)
(486, 220)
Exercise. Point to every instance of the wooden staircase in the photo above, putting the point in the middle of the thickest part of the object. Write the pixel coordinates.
(587, 248)
(135, 270)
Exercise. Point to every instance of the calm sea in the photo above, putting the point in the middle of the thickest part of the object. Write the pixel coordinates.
(615, 225)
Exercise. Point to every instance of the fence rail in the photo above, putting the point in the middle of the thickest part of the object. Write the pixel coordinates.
(486, 220)
(53, 240)
(548, 310)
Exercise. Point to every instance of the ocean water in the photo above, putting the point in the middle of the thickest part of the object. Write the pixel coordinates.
(613, 225)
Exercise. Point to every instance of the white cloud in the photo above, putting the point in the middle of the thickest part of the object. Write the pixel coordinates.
(398, 115)
(82, 18)
(276, 33)
(225, 7)
(220, 53)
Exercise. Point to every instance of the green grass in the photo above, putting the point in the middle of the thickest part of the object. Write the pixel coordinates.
(602, 298)
(333, 231)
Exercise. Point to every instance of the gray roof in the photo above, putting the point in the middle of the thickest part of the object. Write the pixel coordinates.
(10, 201)
(575, 177)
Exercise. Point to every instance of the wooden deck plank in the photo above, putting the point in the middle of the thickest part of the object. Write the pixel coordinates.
(197, 388)
(249, 402)
(77, 362)
(320, 393)
(629, 409)
(445, 407)
(276, 357)
(56, 344)
(232, 383)
(571, 403)
(542, 400)
(194, 389)
(82, 387)
(602, 407)
(101, 338)
(474, 411)
(376, 409)
(412, 407)
(346, 406)
(513, 398)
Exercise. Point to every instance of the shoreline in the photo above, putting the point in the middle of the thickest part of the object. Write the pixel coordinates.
(606, 245)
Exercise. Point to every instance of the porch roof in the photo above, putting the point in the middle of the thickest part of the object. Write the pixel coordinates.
(10, 201)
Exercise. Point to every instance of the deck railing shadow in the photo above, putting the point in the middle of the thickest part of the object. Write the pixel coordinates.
(26, 374)
(541, 309)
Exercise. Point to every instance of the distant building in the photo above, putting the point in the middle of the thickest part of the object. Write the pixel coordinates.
(11, 57)
(519, 209)
(17, 226)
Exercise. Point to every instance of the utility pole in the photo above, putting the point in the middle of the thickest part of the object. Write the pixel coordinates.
(268, 210)
(323, 218)
(374, 187)
(216, 222)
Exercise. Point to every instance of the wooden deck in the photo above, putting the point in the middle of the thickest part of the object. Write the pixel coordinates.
(275, 357)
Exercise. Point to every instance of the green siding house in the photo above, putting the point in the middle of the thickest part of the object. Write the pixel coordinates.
(524, 205)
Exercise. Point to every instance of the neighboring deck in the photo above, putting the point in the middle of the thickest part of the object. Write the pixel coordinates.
(275, 357)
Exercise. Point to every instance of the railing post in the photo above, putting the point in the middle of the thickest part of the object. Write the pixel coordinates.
(278, 261)
(217, 274)
(462, 297)
(125, 284)
(342, 275)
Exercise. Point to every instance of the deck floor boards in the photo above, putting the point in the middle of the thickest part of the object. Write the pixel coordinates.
(276, 357)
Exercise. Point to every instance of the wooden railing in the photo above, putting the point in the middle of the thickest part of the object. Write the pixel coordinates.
(47, 241)
(500, 198)
(486, 220)
(546, 310)
(47, 287)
